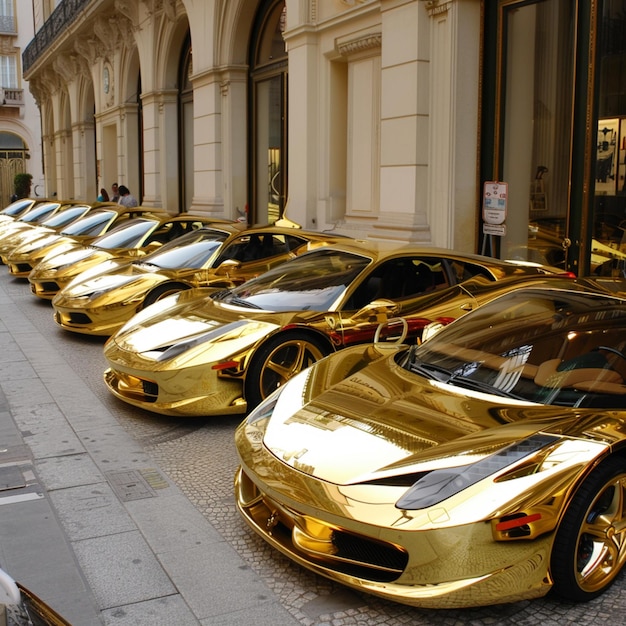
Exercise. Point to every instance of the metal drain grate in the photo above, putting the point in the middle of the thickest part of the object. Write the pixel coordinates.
(131, 485)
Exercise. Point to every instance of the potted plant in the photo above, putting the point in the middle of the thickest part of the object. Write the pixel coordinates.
(22, 184)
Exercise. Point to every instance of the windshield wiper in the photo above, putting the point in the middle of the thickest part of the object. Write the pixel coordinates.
(479, 385)
(428, 370)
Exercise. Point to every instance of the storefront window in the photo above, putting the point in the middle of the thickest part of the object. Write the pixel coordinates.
(534, 135)
(608, 253)
(269, 115)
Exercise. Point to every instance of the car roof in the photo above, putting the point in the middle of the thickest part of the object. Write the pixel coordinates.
(380, 250)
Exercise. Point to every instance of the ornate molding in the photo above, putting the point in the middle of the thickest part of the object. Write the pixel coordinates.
(436, 7)
(127, 8)
(166, 7)
(65, 66)
(87, 48)
(361, 44)
(105, 29)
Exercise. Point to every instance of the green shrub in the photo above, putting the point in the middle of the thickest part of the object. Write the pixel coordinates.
(22, 183)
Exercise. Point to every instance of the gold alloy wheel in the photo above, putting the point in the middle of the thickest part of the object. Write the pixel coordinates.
(278, 360)
(590, 546)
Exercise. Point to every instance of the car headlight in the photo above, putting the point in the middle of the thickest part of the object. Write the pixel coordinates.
(438, 485)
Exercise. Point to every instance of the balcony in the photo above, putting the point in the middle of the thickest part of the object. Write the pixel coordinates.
(11, 97)
(62, 16)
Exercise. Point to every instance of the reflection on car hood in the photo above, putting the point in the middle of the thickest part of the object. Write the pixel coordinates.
(382, 421)
(104, 279)
(180, 318)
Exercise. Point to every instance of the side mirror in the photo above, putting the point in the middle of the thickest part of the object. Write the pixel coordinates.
(380, 309)
(226, 267)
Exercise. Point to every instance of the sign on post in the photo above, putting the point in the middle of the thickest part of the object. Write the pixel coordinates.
(494, 207)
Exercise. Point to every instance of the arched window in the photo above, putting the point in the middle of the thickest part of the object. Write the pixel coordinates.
(268, 89)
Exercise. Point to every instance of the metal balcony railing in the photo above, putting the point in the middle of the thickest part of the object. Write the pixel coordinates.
(11, 97)
(64, 14)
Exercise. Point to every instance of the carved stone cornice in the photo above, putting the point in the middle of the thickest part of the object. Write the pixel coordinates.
(65, 66)
(166, 7)
(367, 42)
(86, 48)
(106, 30)
(436, 7)
(127, 8)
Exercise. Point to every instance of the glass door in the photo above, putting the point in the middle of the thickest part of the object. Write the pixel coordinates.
(532, 121)
(608, 245)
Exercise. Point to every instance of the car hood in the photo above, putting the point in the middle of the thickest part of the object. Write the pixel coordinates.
(189, 315)
(67, 257)
(108, 279)
(381, 422)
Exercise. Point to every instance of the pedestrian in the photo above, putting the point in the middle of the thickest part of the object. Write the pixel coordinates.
(104, 196)
(115, 195)
(126, 198)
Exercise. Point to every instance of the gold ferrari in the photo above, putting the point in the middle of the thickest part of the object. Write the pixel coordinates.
(16, 209)
(216, 256)
(210, 352)
(100, 220)
(132, 239)
(487, 465)
(23, 232)
(37, 214)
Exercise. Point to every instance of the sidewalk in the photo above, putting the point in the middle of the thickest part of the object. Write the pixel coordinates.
(89, 522)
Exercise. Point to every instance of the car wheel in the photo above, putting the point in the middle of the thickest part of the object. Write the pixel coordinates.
(590, 544)
(162, 291)
(278, 360)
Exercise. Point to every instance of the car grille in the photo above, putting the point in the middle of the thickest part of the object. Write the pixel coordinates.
(79, 319)
(20, 268)
(331, 547)
(132, 387)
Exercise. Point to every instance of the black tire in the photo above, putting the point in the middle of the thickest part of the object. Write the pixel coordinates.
(163, 291)
(590, 544)
(279, 359)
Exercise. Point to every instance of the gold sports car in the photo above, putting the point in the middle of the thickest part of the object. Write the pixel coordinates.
(100, 220)
(486, 465)
(208, 353)
(68, 214)
(217, 256)
(132, 239)
(16, 209)
(37, 214)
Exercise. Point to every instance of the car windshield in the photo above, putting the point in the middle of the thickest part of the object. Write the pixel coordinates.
(39, 213)
(65, 217)
(545, 346)
(16, 207)
(128, 235)
(191, 251)
(90, 224)
(312, 282)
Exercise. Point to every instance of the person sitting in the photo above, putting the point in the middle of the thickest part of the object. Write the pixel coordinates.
(104, 196)
(126, 198)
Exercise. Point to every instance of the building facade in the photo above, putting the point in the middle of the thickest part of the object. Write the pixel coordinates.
(484, 125)
(20, 126)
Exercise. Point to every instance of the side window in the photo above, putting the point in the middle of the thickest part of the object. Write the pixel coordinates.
(462, 270)
(399, 279)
